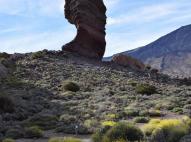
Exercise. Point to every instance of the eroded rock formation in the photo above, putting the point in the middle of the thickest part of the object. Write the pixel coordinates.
(128, 61)
(89, 17)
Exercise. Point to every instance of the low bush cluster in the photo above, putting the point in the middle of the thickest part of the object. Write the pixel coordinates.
(170, 130)
(157, 130)
(146, 89)
(38, 54)
(141, 119)
(118, 133)
(33, 132)
(70, 86)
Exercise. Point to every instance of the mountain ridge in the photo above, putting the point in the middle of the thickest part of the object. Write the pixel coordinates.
(167, 52)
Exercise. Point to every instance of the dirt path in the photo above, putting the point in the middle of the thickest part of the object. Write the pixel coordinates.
(50, 134)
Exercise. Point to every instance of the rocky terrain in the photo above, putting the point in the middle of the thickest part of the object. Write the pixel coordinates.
(171, 54)
(57, 91)
(50, 96)
(89, 17)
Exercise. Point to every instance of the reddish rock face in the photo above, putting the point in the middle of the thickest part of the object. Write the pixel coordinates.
(89, 17)
(125, 60)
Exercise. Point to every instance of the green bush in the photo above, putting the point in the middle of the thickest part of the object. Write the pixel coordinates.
(178, 110)
(123, 131)
(37, 55)
(98, 136)
(155, 113)
(70, 86)
(6, 104)
(141, 120)
(33, 132)
(8, 140)
(145, 89)
(14, 133)
(132, 112)
(169, 130)
(64, 140)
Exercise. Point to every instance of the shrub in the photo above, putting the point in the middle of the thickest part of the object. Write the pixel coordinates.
(178, 110)
(132, 83)
(89, 123)
(145, 89)
(111, 116)
(14, 133)
(67, 119)
(8, 140)
(6, 104)
(34, 132)
(124, 131)
(141, 120)
(148, 129)
(171, 129)
(47, 122)
(132, 112)
(64, 140)
(155, 113)
(70, 86)
(98, 136)
(108, 123)
(37, 55)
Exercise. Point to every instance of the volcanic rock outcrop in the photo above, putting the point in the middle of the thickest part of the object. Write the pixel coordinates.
(89, 17)
(128, 61)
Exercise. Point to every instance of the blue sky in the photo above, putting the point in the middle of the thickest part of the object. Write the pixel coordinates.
(32, 25)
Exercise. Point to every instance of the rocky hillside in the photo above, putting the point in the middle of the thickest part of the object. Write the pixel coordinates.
(171, 54)
(57, 91)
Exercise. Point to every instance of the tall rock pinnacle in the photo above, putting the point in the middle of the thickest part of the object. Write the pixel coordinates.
(89, 17)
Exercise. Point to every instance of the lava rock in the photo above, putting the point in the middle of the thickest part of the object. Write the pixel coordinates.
(89, 17)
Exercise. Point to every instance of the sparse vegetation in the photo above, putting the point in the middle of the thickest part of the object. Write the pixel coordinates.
(132, 83)
(103, 97)
(14, 134)
(38, 54)
(33, 132)
(64, 140)
(46, 122)
(4, 55)
(132, 112)
(13, 81)
(8, 140)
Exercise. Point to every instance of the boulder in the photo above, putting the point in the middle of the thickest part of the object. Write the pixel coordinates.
(128, 61)
(89, 17)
